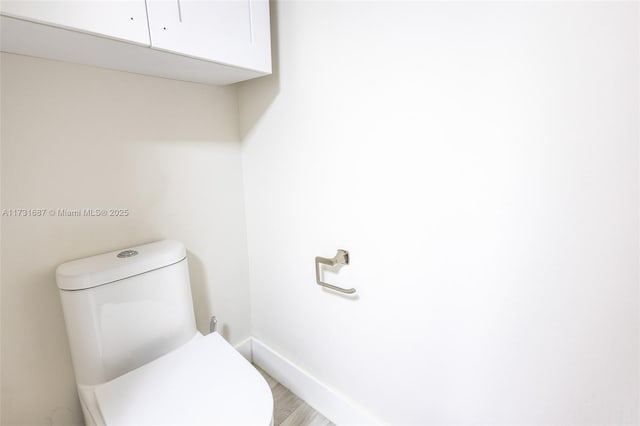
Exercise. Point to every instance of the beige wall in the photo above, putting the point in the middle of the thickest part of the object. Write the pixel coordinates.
(81, 137)
(0, 248)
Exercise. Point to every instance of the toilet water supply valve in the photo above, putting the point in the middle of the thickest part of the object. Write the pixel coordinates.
(213, 324)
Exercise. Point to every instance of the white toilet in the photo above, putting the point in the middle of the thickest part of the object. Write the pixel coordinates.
(137, 355)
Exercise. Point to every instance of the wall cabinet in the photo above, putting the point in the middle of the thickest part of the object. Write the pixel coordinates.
(234, 32)
(125, 20)
(208, 41)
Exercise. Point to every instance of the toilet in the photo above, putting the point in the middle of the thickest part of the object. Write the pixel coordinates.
(137, 355)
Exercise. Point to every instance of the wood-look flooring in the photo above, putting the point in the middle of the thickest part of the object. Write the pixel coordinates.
(289, 410)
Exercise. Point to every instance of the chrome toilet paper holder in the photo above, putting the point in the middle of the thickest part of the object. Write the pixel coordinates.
(341, 258)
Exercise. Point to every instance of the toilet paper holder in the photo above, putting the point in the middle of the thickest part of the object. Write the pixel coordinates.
(341, 258)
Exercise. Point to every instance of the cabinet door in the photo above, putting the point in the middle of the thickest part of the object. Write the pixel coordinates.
(119, 19)
(231, 32)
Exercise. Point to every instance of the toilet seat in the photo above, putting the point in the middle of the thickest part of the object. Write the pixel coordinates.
(204, 382)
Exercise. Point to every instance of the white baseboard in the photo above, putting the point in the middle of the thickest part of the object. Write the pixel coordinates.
(244, 348)
(334, 406)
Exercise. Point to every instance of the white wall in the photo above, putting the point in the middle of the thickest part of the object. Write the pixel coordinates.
(480, 162)
(74, 137)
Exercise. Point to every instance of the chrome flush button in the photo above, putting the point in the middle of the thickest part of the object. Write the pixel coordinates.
(127, 253)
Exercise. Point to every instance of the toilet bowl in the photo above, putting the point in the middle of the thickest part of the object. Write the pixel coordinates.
(137, 356)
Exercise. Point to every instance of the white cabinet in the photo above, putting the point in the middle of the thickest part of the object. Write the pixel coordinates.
(206, 41)
(234, 32)
(119, 19)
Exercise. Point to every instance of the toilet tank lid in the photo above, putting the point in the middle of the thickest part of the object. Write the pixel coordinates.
(105, 268)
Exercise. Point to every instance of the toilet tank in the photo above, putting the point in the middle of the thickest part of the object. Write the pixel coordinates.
(125, 308)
